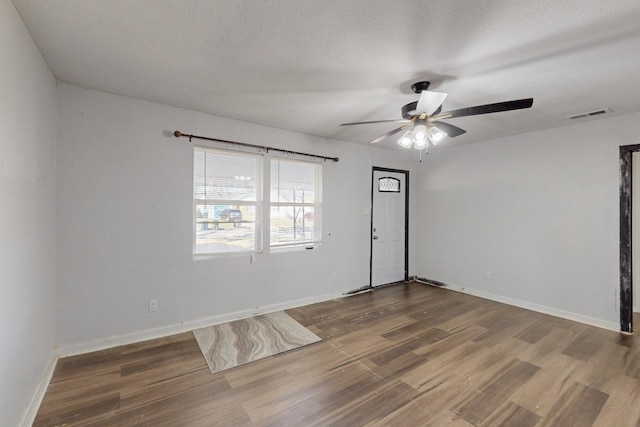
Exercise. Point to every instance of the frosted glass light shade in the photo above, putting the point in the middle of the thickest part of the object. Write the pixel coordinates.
(420, 133)
(405, 140)
(436, 135)
(419, 144)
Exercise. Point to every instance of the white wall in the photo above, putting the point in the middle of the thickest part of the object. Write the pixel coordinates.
(125, 218)
(538, 211)
(27, 218)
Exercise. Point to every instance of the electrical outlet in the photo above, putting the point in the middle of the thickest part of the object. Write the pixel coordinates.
(333, 276)
(487, 275)
(153, 305)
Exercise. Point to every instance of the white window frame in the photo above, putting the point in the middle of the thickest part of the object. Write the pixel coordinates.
(316, 205)
(262, 205)
(258, 204)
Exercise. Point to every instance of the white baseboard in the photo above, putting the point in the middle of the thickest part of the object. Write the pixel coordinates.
(539, 308)
(32, 410)
(114, 341)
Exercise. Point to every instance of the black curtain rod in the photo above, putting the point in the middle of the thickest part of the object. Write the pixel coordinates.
(178, 134)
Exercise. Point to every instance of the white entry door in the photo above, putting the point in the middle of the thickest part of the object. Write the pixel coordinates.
(388, 227)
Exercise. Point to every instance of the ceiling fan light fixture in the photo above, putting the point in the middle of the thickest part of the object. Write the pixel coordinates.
(419, 133)
(406, 139)
(419, 144)
(436, 135)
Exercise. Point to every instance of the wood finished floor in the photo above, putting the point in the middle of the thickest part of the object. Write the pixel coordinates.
(406, 355)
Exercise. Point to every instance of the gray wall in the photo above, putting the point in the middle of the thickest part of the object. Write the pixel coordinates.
(125, 222)
(27, 217)
(539, 211)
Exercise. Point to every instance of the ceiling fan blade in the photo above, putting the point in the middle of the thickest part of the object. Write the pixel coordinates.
(430, 101)
(451, 130)
(388, 134)
(517, 104)
(377, 121)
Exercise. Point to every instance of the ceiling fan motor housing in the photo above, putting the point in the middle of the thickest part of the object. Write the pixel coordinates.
(420, 86)
(409, 111)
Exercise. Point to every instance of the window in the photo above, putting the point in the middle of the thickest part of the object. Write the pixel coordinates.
(226, 201)
(295, 203)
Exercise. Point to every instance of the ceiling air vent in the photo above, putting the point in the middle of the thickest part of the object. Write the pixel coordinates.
(589, 114)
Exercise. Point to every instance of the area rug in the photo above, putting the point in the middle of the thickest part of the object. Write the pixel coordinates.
(232, 344)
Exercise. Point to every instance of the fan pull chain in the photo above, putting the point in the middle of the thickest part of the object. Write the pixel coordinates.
(426, 152)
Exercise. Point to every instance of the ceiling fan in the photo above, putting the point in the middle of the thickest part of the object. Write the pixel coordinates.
(423, 118)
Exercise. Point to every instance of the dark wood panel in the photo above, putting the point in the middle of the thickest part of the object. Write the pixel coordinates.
(490, 397)
(511, 414)
(579, 406)
(587, 344)
(409, 354)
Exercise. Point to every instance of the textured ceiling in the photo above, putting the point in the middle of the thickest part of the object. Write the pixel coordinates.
(309, 65)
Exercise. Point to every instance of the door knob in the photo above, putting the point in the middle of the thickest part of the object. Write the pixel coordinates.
(375, 237)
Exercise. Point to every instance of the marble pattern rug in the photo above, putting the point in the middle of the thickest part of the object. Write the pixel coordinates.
(242, 341)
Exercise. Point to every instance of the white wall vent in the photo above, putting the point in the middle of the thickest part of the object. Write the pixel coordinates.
(589, 114)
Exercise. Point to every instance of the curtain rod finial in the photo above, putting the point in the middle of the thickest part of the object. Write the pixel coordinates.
(177, 134)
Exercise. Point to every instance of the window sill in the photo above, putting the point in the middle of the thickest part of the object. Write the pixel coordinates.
(223, 255)
(294, 248)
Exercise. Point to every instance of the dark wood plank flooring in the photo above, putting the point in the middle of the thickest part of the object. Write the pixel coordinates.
(405, 355)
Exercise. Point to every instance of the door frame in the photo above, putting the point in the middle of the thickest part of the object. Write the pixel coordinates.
(626, 278)
(406, 221)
